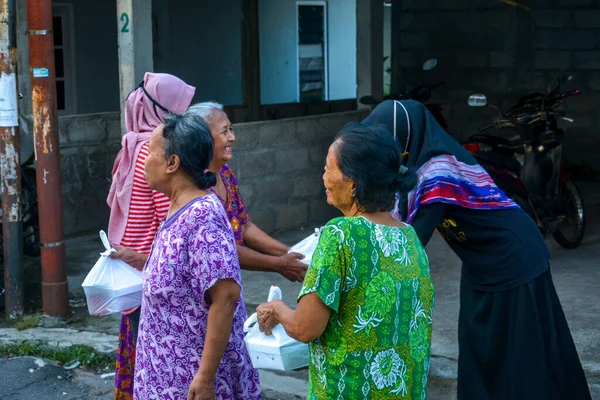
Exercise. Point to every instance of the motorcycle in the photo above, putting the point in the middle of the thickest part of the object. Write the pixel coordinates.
(524, 158)
(29, 208)
(421, 93)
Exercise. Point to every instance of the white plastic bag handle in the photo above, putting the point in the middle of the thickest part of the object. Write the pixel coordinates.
(274, 293)
(106, 244)
(251, 325)
(253, 319)
(105, 241)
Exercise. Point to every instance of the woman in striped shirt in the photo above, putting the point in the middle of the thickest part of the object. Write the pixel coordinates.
(137, 210)
(257, 251)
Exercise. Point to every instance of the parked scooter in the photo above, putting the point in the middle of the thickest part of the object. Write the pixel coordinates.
(420, 93)
(29, 208)
(524, 157)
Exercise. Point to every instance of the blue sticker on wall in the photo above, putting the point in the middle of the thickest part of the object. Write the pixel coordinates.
(41, 73)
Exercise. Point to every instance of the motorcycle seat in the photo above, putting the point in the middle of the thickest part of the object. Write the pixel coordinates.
(488, 157)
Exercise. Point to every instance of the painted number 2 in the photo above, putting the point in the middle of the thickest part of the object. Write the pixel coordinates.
(125, 21)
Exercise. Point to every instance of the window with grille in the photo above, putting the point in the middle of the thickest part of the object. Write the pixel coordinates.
(312, 51)
(63, 58)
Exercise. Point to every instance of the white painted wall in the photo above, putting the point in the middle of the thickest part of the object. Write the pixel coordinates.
(278, 57)
(278, 64)
(342, 49)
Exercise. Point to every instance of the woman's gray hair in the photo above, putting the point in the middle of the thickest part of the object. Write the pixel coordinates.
(205, 109)
(188, 137)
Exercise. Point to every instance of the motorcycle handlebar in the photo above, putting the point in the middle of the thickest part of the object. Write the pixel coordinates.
(526, 118)
(575, 92)
(521, 120)
(558, 97)
(511, 121)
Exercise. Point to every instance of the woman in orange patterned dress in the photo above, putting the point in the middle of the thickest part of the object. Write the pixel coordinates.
(257, 251)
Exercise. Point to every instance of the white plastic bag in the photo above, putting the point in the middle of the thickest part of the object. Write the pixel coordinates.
(112, 285)
(307, 246)
(277, 351)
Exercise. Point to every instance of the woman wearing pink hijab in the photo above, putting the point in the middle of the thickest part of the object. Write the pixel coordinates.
(136, 210)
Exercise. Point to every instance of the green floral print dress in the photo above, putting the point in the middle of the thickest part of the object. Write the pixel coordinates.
(376, 281)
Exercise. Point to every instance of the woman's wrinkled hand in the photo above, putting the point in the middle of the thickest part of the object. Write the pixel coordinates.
(267, 316)
(201, 389)
(131, 257)
(291, 267)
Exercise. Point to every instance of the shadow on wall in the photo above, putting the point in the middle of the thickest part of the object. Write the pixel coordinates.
(240, 114)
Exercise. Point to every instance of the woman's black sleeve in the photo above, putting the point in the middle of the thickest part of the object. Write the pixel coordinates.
(427, 219)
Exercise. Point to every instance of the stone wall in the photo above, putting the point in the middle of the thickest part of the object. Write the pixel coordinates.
(278, 163)
(487, 46)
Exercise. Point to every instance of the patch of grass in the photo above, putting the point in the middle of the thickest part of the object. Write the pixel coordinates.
(27, 322)
(88, 357)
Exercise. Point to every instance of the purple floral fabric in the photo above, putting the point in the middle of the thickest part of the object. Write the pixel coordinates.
(192, 251)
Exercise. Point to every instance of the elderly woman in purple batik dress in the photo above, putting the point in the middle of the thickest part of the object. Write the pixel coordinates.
(190, 343)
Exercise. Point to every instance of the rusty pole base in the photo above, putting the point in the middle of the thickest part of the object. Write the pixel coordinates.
(55, 299)
(55, 288)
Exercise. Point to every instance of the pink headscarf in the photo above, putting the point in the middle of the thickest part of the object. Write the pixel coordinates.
(142, 116)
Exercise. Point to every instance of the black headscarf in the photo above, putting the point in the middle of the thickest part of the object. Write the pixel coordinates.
(447, 173)
(417, 132)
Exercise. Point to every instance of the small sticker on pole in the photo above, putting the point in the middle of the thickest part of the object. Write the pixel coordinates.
(9, 111)
(41, 73)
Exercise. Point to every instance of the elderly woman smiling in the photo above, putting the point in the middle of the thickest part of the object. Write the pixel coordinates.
(366, 303)
(190, 343)
(257, 250)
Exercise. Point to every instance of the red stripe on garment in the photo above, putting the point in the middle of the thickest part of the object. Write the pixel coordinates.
(146, 211)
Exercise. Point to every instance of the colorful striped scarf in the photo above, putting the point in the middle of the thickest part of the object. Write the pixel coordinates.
(444, 179)
(447, 173)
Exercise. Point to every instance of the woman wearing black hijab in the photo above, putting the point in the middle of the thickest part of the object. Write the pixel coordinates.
(514, 341)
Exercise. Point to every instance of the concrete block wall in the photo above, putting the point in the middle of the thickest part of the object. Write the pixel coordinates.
(88, 145)
(487, 46)
(279, 165)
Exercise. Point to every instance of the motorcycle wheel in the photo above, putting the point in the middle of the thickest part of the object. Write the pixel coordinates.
(571, 230)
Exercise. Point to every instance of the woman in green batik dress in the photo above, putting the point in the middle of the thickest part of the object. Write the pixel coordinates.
(366, 304)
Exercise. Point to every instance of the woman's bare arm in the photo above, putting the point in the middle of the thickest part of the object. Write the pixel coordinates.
(305, 324)
(256, 239)
(287, 265)
(224, 296)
